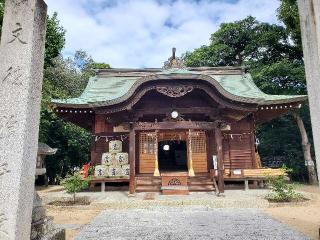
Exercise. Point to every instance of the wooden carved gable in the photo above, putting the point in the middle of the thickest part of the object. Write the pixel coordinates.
(175, 91)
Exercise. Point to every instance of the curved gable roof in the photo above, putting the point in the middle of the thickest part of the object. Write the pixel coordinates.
(114, 86)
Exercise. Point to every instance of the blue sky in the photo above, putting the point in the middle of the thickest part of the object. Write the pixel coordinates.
(141, 33)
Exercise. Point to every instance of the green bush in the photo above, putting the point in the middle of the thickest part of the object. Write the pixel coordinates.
(91, 171)
(74, 183)
(281, 191)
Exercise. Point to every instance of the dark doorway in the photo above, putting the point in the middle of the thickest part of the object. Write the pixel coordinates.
(172, 156)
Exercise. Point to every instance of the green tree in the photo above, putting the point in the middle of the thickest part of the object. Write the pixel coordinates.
(65, 78)
(276, 66)
(243, 42)
(74, 184)
(55, 39)
(100, 66)
(281, 191)
(288, 13)
(73, 145)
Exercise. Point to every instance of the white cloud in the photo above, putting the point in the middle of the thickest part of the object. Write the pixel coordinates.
(141, 33)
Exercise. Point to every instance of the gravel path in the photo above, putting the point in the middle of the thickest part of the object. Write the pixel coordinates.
(175, 223)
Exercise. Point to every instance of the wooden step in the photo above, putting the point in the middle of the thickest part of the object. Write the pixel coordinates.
(148, 188)
(147, 182)
(201, 188)
(200, 183)
(153, 184)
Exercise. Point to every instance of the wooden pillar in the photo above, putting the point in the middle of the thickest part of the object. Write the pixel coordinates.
(253, 143)
(190, 161)
(92, 149)
(156, 163)
(132, 160)
(98, 126)
(218, 136)
(310, 32)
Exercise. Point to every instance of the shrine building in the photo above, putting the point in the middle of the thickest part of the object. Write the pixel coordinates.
(181, 128)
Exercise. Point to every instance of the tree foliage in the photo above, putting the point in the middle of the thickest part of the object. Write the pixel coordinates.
(243, 42)
(281, 191)
(74, 184)
(276, 65)
(64, 79)
(55, 36)
(288, 13)
(55, 39)
(67, 77)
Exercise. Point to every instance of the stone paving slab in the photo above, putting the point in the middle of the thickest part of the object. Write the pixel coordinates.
(186, 223)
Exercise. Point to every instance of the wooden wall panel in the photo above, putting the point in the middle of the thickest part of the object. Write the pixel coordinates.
(238, 145)
(147, 163)
(100, 122)
(101, 146)
(199, 152)
(101, 125)
(147, 152)
(200, 164)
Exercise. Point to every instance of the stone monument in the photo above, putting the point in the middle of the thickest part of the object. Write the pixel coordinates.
(42, 227)
(21, 71)
(310, 30)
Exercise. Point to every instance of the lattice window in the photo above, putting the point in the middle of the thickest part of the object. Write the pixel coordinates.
(198, 142)
(147, 143)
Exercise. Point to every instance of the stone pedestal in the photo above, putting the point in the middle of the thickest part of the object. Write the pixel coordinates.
(310, 32)
(42, 227)
(21, 72)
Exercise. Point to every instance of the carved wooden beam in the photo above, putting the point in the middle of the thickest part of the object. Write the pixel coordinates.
(206, 111)
(175, 91)
(142, 126)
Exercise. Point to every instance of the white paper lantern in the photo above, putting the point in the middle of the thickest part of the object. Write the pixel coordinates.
(115, 146)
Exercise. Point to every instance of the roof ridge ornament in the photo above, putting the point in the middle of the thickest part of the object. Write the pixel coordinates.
(174, 62)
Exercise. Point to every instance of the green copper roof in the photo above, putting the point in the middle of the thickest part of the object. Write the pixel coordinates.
(108, 89)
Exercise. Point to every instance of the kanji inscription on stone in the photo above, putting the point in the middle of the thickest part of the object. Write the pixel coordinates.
(16, 34)
(21, 74)
(3, 227)
(4, 168)
(18, 3)
(7, 124)
(13, 76)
